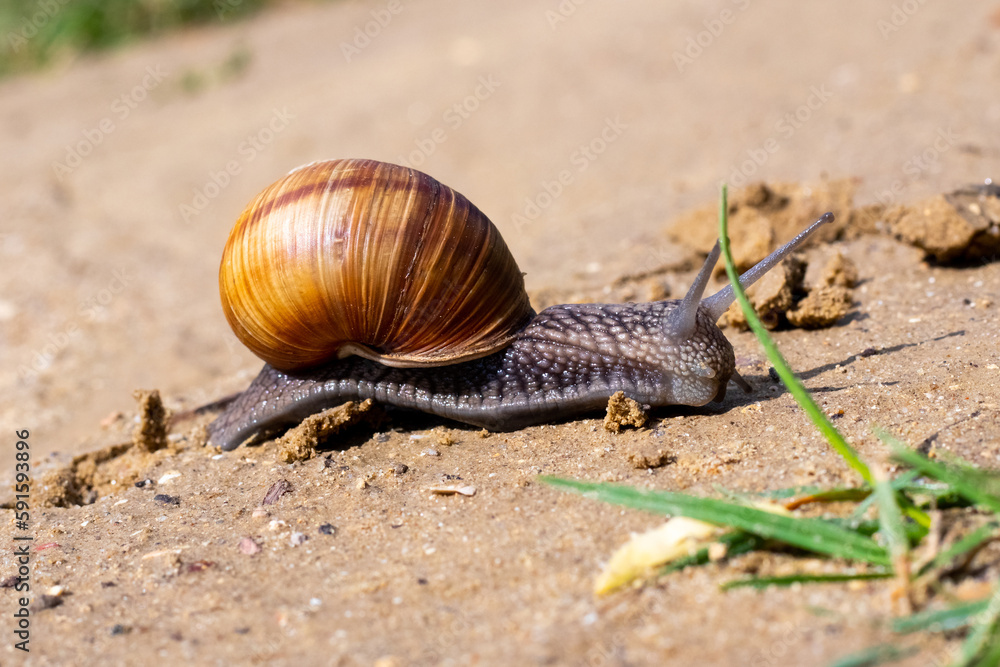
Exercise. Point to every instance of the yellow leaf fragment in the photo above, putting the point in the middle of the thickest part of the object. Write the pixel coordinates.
(678, 537)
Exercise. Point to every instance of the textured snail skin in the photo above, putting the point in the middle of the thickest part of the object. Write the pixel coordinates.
(568, 360)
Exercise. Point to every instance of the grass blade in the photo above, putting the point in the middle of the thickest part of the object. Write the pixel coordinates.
(973, 540)
(940, 620)
(876, 655)
(798, 391)
(736, 542)
(984, 636)
(814, 535)
(977, 485)
(829, 496)
(890, 520)
(764, 582)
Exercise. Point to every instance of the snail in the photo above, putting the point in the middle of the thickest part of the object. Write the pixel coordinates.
(359, 279)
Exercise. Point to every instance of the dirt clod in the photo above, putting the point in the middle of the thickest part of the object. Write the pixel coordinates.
(151, 432)
(763, 216)
(782, 298)
(623, 412)
(648, 457)
(962, 225)
(300, 443)
(821, 307)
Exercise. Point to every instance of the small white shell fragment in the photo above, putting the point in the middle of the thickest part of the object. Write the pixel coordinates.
(56, 591)
(167, 476)
(260, 513)
(163, 552)
(452, 489)
(297, 538)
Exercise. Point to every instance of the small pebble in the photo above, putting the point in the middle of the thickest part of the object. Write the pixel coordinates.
(430, 452)
(399, 468)
(260, 513)
(119, 629)
(165, 499)
(249, 547)
(113, 417)
(278, 489)
(297, 538)
(327, 529)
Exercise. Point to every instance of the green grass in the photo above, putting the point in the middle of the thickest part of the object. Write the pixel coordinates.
(39, 32)
(901, 504)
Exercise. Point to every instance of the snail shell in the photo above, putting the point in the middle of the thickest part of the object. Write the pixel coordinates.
(359, 257)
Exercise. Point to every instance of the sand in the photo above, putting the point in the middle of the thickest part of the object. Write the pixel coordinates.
(588, 132)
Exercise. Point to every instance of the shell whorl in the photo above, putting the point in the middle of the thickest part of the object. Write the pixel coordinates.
(362, 257)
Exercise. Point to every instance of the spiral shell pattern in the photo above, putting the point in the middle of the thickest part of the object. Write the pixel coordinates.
(362, 257)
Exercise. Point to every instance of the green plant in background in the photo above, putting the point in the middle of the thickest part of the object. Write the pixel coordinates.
(901, 504)
(35, 33)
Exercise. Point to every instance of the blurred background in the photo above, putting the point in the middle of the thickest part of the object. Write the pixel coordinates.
(134, 132)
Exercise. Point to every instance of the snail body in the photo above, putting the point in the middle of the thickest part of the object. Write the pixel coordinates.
(358, 279)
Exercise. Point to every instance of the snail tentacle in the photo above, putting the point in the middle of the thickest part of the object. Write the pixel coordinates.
(682, 322)
(718, 303)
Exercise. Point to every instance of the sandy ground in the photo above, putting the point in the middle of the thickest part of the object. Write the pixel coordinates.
(123, 174)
